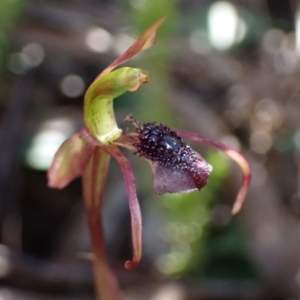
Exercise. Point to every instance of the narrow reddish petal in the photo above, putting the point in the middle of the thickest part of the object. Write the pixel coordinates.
(70, 160)
(236, 156)
(145, 41)
(136, 218)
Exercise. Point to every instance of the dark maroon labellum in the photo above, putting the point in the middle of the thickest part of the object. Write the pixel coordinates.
(163, 146)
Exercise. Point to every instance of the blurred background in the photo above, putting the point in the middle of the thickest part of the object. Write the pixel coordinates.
(228, 70)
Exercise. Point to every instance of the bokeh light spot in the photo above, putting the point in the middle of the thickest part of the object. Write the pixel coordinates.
(34, 54)
(43, 149)
(261, 142)
(72, 86)
(17, 63)
(224, 25)
(169, 292)
(137, 4)
(46, 142)
(98, 39)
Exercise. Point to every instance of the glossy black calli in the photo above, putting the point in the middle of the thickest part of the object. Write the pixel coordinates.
(181, 167)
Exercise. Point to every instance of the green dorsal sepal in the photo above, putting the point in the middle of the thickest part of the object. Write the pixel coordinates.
(99, 115)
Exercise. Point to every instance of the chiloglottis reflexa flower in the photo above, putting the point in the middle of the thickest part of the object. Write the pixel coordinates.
(176, 167)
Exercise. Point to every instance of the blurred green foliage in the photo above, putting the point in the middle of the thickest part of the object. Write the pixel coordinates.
(9, 11)
(227, 255)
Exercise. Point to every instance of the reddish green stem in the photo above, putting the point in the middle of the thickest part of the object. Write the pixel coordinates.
(94, 179)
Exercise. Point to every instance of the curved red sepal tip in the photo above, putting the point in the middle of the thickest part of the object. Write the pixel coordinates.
(131, 264)
(233, 154)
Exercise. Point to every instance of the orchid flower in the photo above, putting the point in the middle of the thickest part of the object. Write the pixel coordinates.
(176, 167)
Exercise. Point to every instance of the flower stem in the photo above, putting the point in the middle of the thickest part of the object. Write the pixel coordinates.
(94, 178)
